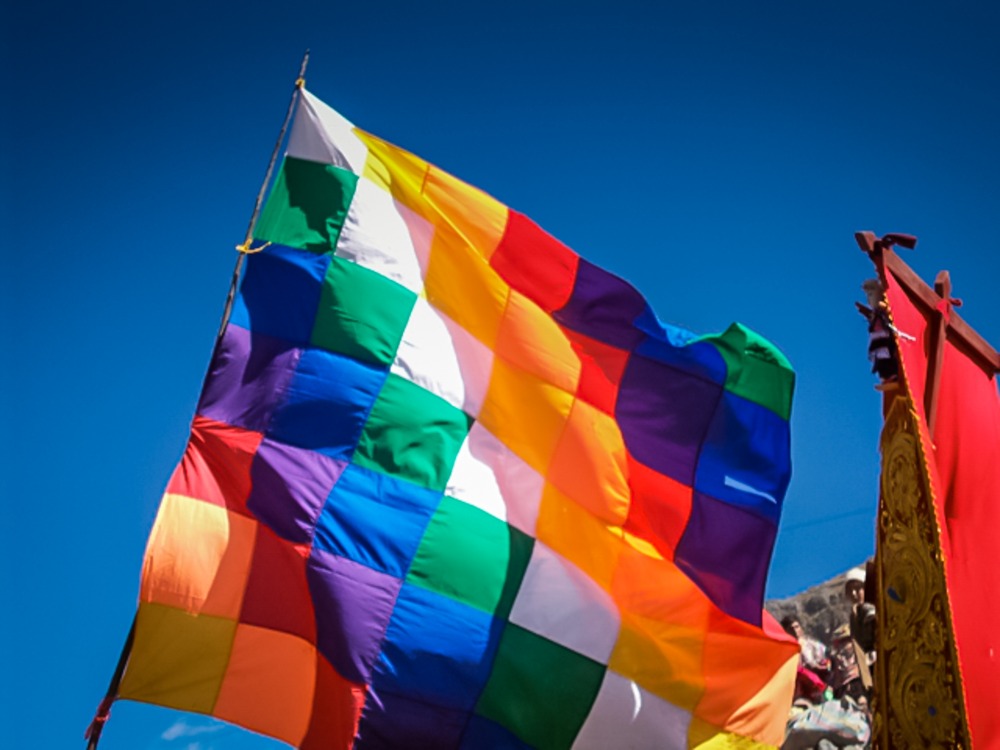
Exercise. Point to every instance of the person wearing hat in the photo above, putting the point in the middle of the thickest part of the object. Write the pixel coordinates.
(813, 671)
(845, 677)
(813, 652)
(862, 624)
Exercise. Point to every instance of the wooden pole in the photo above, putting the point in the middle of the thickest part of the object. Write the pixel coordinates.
(246, 248)
(93, 733)
(945, 324)
(937, 335)
(910, 569)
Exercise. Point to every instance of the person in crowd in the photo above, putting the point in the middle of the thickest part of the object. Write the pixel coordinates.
(862, 624)
(809, 683)
(813, 652)
(845, 676)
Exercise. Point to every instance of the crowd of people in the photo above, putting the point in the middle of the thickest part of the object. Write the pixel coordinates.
(834, 683)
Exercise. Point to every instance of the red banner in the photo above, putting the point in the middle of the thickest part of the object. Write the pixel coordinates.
(964, 458)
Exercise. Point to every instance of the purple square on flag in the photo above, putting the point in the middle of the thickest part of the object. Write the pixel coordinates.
(353, 607)
(603, 307)
(290, 486)
(480, 732)
(726, 550)
(390, 721)
(247, 378)
(664, 414)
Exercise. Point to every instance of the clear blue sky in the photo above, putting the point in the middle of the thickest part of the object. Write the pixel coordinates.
(720, 155)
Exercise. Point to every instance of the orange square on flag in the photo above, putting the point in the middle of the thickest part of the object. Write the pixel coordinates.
(531, 340)
(269, 683)
(463, 286)
(474, 215)
(590, 464)
(589, 543)
(655, 588)
(737, 687)
(663, 657)
(525, 413)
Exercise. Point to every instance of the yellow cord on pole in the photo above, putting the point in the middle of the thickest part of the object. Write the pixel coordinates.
(247, 248)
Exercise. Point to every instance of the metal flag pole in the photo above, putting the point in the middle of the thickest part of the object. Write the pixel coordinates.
(93, 733)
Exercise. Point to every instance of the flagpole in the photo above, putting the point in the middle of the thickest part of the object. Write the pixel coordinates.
(245, 248)
(93, 733)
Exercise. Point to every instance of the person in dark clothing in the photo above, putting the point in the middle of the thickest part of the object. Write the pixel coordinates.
(862, 624)
(881, 343)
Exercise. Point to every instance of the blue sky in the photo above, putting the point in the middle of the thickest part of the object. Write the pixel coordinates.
(719, 155)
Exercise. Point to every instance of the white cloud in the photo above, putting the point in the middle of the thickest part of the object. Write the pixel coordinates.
(181, 728)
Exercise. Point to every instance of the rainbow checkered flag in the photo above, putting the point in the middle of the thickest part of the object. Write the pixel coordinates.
(449, 485)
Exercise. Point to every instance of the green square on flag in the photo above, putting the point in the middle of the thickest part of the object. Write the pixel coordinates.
(307, 206)
(755, 369)
(471, 556)
(361, 313)
(540, 690)
(412, 434)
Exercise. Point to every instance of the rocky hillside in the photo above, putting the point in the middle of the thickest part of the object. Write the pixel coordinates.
(820, 609)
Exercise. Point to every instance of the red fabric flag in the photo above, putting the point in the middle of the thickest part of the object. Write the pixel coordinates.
(964, 453)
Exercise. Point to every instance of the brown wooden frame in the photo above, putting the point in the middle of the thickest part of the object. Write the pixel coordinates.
(946, 324)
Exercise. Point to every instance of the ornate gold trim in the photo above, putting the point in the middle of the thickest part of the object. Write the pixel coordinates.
(918, 687)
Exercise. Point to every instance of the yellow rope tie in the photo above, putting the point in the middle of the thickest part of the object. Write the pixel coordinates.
(300, 82)
(247, 249)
